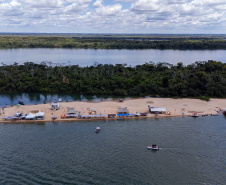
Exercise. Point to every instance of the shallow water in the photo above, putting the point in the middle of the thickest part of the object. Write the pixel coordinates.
(192, 151)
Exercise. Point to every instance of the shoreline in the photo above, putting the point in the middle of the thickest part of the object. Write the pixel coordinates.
(141, 105)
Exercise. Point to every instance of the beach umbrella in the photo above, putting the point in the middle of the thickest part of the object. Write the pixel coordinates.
(54, 117)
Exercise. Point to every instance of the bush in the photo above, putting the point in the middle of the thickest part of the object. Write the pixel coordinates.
(205, 98)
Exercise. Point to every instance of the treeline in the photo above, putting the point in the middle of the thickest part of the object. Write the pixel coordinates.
(201, 79)
(110, 43)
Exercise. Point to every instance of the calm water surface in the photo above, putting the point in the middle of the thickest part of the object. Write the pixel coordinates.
(192, 151)
(39, 98)
(87, 57)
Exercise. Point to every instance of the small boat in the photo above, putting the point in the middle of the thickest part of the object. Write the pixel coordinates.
(97, 129)
(153, 147)
(194, 115)
(215, 114)
(21, 103)
(205, 115)
(224, 111)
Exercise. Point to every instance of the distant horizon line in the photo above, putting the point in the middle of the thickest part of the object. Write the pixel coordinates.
(42, 33)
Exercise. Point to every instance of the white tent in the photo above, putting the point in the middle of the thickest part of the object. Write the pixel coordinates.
(40, 114)
(30, 116)
(156, 109)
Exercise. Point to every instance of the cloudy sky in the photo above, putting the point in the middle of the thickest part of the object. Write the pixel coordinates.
(113, 16)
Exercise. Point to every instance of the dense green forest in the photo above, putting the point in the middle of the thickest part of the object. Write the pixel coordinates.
(201, 79)
(113, 42)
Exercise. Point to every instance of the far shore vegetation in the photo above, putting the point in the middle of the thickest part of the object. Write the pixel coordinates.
(114, 41)
(202, 79)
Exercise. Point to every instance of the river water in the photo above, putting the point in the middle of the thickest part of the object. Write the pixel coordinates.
(7, 99)
(87, 57)
(192, 151)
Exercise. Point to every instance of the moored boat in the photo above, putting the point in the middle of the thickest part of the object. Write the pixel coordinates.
(224, 111)
(153, 147)
(215, 114)
(21, 103)
(194, 115)
(205, 115)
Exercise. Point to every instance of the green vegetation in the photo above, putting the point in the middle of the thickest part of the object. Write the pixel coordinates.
(205, 98)
(114, 41)
(201, 79)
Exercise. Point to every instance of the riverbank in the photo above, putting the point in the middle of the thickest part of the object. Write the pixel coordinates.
(176, 107)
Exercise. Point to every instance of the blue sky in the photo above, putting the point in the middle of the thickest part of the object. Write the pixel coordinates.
(114, 16)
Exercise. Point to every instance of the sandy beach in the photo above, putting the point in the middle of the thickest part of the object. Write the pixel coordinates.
(174, 106)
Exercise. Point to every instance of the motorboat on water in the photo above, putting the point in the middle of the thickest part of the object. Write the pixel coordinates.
(153, 147)
(194, 115)
(97, 129)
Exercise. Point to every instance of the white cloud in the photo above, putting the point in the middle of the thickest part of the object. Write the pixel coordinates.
(126, 1)
(44, 3)
(109, 10)
(97, 3)
(79, 1)
(75, 8)
(113, 16)
(142, 6)
(11, 9)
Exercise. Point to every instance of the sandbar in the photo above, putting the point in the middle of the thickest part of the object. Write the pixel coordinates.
(174, 106)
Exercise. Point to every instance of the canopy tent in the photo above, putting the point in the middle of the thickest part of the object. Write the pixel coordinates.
(40, 114)
(123, 110)
(157, 110)
(71, 111)
(71, 115)
(111, 115)
(30, 116)
(9, 117)
(143, 114)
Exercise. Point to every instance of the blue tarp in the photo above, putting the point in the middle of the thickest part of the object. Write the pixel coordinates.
(121, 115)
